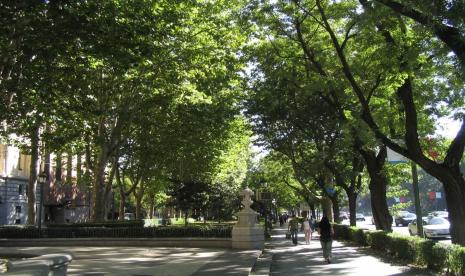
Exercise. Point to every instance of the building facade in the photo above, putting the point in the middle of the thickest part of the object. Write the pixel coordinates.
(63, 199)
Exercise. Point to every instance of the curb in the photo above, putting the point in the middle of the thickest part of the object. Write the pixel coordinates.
(262, 266)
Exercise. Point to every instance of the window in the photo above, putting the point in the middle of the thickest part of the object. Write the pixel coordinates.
(18, 221)
(18, 209)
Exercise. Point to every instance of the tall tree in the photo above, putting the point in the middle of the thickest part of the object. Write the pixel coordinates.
(418, 86)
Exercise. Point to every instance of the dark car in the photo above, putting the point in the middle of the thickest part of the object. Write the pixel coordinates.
(404, 218)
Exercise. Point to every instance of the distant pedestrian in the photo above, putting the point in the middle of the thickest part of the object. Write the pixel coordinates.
(307, 230)
(281, 220)
(313, 224)
(293, 228)
(325, 229)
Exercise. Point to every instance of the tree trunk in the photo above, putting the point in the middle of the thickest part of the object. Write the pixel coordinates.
(454, 188)
(58, 168)
(98, 196)
(139, 194)
(327, 208)
(78, 169)
(312, 209)
(335, 203)
(151, 205)
(122, 202)
(108, 191)
(352, 196)
(69, 168)
(378, 185)
(32, 183)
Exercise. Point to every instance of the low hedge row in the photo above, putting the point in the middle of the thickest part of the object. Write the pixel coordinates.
(124, 223)
(436, 256)
(116, 232)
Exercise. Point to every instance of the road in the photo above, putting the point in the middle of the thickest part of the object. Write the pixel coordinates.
(396, 229)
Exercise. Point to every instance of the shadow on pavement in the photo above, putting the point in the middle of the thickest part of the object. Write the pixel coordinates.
(303, 259)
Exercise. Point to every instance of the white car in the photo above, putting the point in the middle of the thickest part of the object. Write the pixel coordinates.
(433, 227)
(441, 214)
(359, 217)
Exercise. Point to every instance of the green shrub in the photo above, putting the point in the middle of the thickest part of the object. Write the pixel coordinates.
(378, 240)
(124, 223)
(423, 249)
(358, 235)
(341, 232)
(439, 256)
(456, 260)
(402, 247)
(118, 232)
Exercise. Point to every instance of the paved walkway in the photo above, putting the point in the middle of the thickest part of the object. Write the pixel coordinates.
(280, 257)
(142, 261)
(303, 259)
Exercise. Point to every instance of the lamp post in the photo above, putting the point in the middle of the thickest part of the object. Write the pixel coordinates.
(265, 198)
(42, 178)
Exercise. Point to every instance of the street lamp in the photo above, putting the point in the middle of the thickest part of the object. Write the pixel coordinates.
(265, 198)
(42, 179)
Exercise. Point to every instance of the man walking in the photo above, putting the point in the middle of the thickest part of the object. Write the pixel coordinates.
(293, 228)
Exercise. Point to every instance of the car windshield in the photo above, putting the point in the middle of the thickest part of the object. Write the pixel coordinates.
(410, 215)
(436, 221)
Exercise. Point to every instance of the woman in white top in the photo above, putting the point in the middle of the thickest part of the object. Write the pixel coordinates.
(307, 230)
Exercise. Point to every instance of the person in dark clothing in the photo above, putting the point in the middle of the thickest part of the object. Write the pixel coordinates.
(293, 228)
(325, 229)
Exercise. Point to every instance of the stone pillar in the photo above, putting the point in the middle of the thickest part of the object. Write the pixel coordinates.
(247, 234)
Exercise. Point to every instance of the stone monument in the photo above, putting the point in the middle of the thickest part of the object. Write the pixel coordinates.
(247, 234)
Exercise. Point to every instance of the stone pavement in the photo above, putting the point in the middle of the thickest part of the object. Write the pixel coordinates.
(303, 259)
(163, 261)
(280, 257)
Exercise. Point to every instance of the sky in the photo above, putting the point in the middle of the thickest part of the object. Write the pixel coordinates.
(447, 127)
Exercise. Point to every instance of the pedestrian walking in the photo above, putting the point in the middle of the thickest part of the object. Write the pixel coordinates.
(307, 230)
(293, 228)
(325, 229)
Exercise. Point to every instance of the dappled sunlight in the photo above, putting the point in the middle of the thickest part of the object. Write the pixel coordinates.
(303, 259)
(153, 260)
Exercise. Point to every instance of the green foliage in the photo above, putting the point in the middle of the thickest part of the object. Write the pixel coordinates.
(439, 257)
(357, 235)
(436, 256)
(205, 231)
(378, 240)
(457, 260)
(400, 247)
(110, 224)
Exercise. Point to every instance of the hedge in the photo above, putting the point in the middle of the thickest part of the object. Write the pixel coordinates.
(436, 256)
(124, 223)
(116, 232)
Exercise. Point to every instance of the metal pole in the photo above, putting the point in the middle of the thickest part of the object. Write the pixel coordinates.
(416, 194)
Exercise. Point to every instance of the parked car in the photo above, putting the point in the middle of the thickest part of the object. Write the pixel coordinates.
(129, 216)
(343, 215)
(441, 214)
(403, 218)
(433, 227)
(359, 217)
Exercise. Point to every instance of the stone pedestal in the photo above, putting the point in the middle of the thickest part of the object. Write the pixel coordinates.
(247, 234)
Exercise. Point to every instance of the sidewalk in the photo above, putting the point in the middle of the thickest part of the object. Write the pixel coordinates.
(146, 261)
(303, 259)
